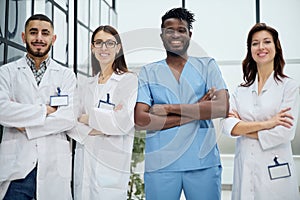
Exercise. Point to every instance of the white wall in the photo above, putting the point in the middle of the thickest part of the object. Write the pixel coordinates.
(220, 31)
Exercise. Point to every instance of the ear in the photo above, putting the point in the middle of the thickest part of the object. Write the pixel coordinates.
(92, 48)
(161, 37)
(190, 34)
(53, 39)
(23, 37)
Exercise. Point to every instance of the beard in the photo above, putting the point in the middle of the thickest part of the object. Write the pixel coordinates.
(37, 53)
(177, 52)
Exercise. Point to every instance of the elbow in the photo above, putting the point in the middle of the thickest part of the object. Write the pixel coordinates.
(142, 121)
(140, 124)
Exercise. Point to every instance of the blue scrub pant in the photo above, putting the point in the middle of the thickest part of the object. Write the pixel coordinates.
(22, 189)
(204, 184)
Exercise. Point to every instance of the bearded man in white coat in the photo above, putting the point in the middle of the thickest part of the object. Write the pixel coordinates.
(36, 103)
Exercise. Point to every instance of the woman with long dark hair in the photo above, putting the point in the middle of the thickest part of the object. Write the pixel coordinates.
(263, 118)
(105, 129)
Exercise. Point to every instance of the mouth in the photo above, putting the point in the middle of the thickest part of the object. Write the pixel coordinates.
(176, 43)
(104, 54)
(262, 54)
(38, 45)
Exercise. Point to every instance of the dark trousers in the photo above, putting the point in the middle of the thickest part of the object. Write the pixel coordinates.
(22, 189)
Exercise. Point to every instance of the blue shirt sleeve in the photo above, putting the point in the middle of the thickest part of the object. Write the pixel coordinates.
(214, 76)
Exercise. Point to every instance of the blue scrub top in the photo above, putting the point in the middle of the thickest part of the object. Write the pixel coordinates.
(190, 146)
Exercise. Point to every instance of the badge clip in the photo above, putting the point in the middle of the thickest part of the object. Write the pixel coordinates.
(106, 104)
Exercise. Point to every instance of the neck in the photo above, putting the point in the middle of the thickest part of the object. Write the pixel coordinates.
(264, 72)
(176, 61)
(37, 60)
(105, 73)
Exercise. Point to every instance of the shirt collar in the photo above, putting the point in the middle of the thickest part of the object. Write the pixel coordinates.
(31, 63)
(114, 76)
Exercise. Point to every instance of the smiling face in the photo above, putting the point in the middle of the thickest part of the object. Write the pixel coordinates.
(263, 48)
(106, 53)
(176, 36)
(39, 38)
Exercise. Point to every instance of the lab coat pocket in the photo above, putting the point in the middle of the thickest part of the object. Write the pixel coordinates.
(112, 171)
(64, 159)
(8, 158)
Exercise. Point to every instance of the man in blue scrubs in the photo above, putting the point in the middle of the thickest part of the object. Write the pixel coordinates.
(177, 99)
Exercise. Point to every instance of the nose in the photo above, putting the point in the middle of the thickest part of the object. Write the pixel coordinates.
(261, 45)
(176, 34)
(39, 36)
(103, 46)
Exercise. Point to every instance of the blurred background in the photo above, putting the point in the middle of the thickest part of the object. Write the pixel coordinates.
(220, 31)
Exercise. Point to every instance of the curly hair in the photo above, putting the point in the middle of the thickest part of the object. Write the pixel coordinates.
(179, 13)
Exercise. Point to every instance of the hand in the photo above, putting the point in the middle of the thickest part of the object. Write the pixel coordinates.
(283, 118)
(210, 95)
(118, 107)
(159, 109)
(51, 109)
(234, 114)
(94, 132)
(21, 129)
(84, 118)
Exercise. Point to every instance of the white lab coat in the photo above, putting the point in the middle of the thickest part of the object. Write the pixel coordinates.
(102, 163)
(252, 157)
(23, 104)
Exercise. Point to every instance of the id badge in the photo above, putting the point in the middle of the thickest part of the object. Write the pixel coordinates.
(279, 170)
(62, 100)
(106, 105)
(59, 100)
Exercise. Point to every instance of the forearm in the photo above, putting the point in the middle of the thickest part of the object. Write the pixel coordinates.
(199, 111)
(247, 128)
(216, 105)
(154, 122)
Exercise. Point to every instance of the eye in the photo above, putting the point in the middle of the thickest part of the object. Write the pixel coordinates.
(268, 41)
(46, 33)
(254, 43)
(111, 43)
(33, 32)
(98, 42)
(182, 30)
(169, 31)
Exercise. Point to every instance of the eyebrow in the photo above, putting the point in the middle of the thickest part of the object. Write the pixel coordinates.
(267, 38)
(35, 29)
(105, 40)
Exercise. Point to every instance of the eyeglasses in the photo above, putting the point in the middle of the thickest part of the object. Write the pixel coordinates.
(108, 43)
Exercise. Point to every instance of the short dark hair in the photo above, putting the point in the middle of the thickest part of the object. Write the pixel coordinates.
(179, 13)
(40, 17)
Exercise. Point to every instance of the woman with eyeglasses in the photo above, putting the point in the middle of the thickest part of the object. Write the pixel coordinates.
(105, 130)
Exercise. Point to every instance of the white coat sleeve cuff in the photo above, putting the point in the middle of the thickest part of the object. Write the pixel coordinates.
(79, 133)
(227, 125)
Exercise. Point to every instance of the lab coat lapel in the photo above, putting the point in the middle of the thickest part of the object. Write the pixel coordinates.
(25, 69)
(50, 71)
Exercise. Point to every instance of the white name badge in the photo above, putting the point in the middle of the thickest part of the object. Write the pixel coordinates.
(105, 105)
(61, 100)
(279, 171)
